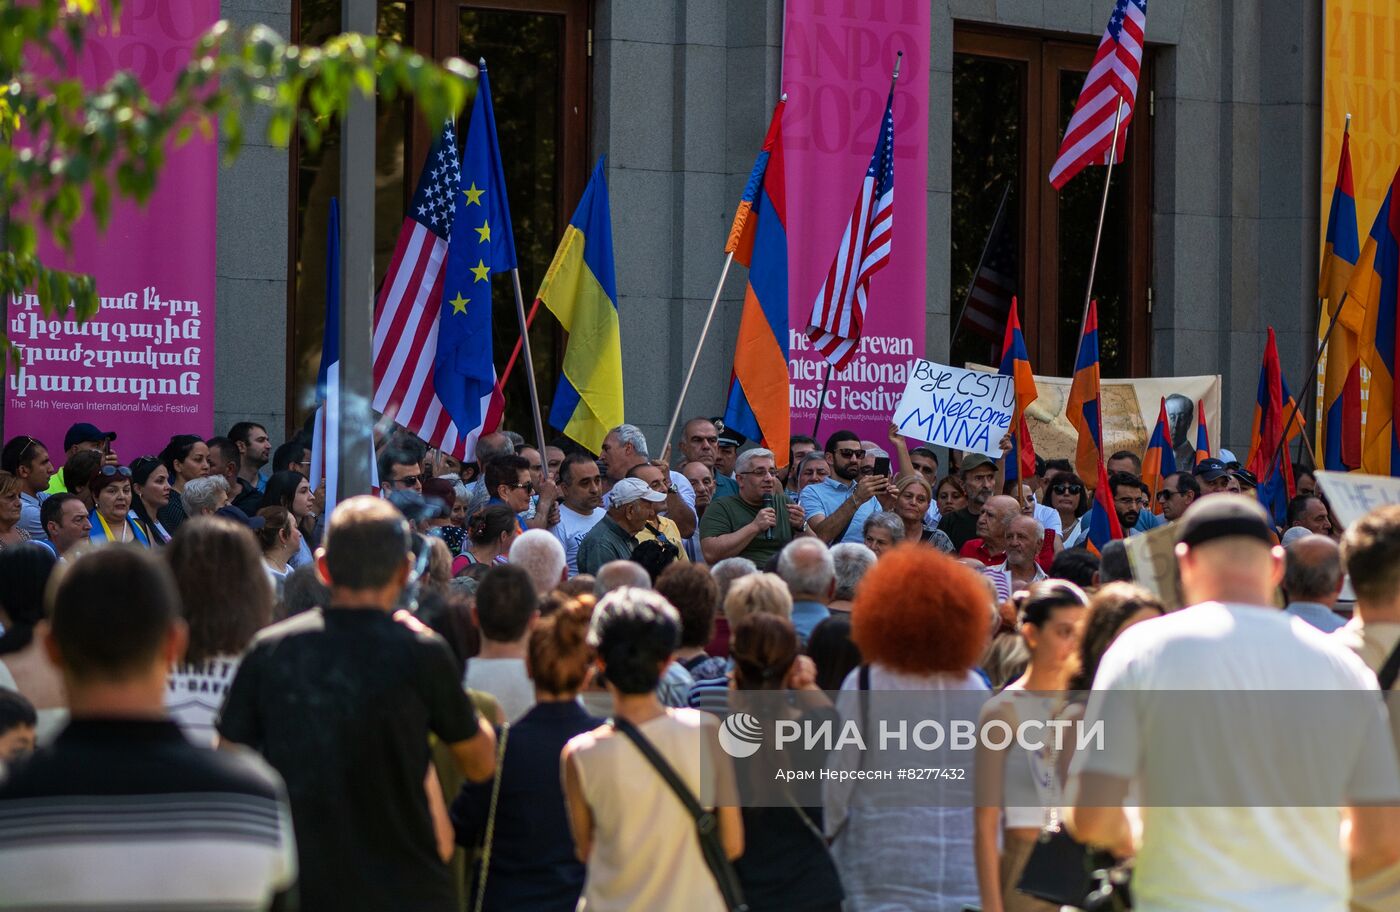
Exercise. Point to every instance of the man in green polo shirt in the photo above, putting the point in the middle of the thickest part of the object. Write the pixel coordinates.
(757, 522)
(631, 505)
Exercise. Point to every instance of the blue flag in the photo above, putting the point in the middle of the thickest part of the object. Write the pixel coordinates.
(330, 338)
(482, 243)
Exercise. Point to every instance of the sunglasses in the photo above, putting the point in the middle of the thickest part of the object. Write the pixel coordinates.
(524, 485)
(1164, 496)
(1067, 489)
(110, 471)
(851, 454)
(408, 481)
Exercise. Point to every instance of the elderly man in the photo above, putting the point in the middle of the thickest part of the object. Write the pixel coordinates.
(654, 474)
(837, 507)
(624, 447)
(1024, 537)
(1177, 492)
(700, 443)
(1312, 580)
(850, 562)
(812, 469)
(979, 477)
(756, 523)
(702, 480)
(1309, 513)
(992, 525)
(799, 448)
(807, 568)
(613, 537)
(541, 555)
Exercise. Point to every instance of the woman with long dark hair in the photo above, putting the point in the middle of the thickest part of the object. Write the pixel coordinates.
(291, 491)
(150, 488)
(186, 458)
(24, 663)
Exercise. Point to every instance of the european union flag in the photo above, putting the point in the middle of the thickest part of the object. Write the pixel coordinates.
(482, 243)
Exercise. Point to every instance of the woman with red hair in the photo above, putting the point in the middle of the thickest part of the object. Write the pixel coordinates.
(920, 620)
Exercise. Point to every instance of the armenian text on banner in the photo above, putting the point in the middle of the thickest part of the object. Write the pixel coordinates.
(143, 366)
(837, 61)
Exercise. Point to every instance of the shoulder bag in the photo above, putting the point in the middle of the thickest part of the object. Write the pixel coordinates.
(491, 818)
(706, 823)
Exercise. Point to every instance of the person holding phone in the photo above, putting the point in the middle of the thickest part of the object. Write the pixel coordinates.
(838, 506)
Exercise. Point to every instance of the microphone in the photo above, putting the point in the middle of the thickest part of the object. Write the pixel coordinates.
(768, 505)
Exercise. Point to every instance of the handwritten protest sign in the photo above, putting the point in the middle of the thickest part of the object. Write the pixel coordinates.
(1353, 495)
(962, 409)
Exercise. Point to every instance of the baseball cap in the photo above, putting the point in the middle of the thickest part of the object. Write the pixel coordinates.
(82, 432)
(630, 490)
(1246, 478)
(1225, 516)
(1210, 469)
(975, 461)
(727, 437)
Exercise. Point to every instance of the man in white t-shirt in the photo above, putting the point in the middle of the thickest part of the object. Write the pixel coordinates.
(581, 485)
(506, 610)
(1279, 848)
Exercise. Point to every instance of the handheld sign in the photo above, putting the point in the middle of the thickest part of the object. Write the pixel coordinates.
(1353, 495)
(962, 409)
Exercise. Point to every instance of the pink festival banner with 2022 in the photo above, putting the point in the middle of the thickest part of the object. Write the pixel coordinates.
(838, 56)
(143, 366)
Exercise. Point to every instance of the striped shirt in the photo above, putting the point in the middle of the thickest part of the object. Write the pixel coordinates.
(126, 814)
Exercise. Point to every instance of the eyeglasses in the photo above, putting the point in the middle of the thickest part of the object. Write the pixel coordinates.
(1067, 488)
(851, 454)
(1131, 501)
(110, 471)
(761, 473)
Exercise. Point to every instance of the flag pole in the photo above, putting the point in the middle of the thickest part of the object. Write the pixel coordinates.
(981, 261)
(695, 358)
(1103, 208)
(529, 362)
(515, 352)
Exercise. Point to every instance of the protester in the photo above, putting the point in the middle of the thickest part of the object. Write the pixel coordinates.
(979, 476)
(831, 649)
(693, 592)
(540, 555)
(508, 481)
(632, 505)
(291, 490)
(725, 573)
(293, 456)
(111, 518)
(1304, 481)
(1076, 565)
(920, 624)
(1371, 552)
(807, 569)
(340, 700)
(1024, 539)
(82, 437)
(1212, 476)
(490, 533)
(1069, 497)
(1231, 639)
(186, 457)
(25, 666)
(254, 451)
(756, 593)
(700, 444)
(204, 497)
(949, 496)
(811, 470)
(757, 522)
(800, 446)
(225, 598)
(786, 864)
(1178, 491)
(226, 460)
(851, 562)
(28, 461)
(150, 488)
(989, 546)
(636, 838)
(702, 480)
(912, 504)
(1113, 609)
(1309, 513)
(279, 538)
(400, 470)
(625, 447)
(11, 508)
(1312, 581)
(66, 523)
(1130, 500)
(620, 574)
(1125, 461)
(837, 507)
(18, 726)
(507, 608)
(124, 810)
(581, 488)
(882, 530)
(1016, 786)
(520, 815)
(728, 445)
(663, 529)
(78, 471)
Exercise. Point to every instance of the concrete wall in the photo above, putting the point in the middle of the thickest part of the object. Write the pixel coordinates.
(250, 375)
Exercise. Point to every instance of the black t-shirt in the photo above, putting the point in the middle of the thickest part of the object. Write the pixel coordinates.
(960, 526)
(341, 702)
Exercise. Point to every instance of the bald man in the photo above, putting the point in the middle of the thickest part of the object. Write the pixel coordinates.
(992, 525)
(1312, 580)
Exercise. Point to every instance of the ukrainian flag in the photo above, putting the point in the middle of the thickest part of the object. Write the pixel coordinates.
(1160, 459)
(1084, 408)
(580, 289)
(758, 388)
(1016, 363)
(1370, 311)
(1338, 444)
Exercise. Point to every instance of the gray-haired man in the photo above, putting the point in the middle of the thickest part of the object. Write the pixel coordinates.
(756, 523)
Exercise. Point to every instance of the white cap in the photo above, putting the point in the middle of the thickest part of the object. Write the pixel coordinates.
(629, 490)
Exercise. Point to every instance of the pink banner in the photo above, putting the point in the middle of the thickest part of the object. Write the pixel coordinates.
(143, 366)
(837, 62)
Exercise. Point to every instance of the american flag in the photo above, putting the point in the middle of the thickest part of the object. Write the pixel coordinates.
(1112, 81)
(839, 311)
(989, 298)
(406, 312)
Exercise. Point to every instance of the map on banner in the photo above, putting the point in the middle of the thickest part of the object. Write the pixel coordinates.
(960, 409)
(1353, 495)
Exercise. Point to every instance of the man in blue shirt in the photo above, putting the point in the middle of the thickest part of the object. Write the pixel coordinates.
(806, 566)
(837, 507)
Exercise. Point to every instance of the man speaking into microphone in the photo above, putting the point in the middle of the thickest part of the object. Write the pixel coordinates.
(757, 522)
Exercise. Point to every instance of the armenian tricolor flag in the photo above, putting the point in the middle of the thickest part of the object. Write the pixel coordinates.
(1370, 312)
(1338, 445)
(1016, 363)
(1268, 456)
(1202, 432)
(580, 289)
(1084, 409)
(1160, 459)
(758, 388)
(1102, 517)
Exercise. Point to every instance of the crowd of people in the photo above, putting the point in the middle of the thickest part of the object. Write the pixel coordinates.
(497, 685)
